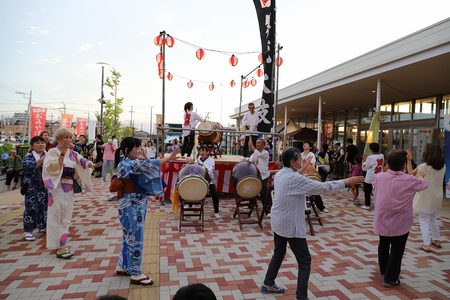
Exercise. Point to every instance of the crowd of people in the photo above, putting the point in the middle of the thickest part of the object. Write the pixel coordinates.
(392, 184)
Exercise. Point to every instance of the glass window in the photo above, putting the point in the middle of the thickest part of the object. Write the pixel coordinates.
(425, 109)
(402, 111)
(366, 115)
(445, 108)
(385, 113)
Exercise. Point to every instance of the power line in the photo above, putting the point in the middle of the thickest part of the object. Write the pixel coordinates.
(7, 87)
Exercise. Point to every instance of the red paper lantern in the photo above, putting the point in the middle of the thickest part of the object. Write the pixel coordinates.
(160, 73)
(190, 84)
(170, 41)
(211, 86)
(259, 72)
(233, 60)
(253, 82)
(158, 40)
(200, 54)
(246, 83)
(279, 61)
(159, 57)
(232, 83)
(169, 76)
(261, 58)
(160, 65)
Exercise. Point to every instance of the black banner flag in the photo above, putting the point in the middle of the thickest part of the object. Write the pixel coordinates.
(265, 10)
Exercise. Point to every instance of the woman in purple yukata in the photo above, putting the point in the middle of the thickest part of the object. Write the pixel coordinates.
(140, 178)
(60, 165)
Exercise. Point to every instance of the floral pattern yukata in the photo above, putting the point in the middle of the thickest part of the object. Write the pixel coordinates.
(35, 213)
(146, 176)
(59, 183)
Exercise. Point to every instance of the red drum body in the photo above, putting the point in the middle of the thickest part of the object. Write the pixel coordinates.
(246, 179)
(193, 182)
(208, 137)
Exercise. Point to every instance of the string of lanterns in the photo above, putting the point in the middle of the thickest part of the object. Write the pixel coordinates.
(169, 41)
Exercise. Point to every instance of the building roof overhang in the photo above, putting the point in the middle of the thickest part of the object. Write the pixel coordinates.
(413, 67)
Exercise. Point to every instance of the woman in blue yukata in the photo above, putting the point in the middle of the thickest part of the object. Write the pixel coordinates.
(141, 177)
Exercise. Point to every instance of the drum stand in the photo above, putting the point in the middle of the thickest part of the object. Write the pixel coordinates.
(213, 149)
(252, 205)
(192, 209)
(311, 204)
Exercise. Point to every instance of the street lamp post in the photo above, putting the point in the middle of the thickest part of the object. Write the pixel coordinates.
(102, 96)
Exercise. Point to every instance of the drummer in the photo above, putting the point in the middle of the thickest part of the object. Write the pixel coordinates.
(190, 120)
(208, 162)
(250, 123)
(260, 158)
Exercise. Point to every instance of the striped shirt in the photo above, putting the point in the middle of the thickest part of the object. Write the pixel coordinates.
(288, 206)
(393, 199)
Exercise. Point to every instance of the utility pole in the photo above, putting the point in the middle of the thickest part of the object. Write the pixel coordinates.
(27, 122)
(131, 120)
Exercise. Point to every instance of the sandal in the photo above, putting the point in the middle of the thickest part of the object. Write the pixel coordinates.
(437, 244)
(65, 255)
(142, 281)
(29, 237)
(122, 273)
(425, 249)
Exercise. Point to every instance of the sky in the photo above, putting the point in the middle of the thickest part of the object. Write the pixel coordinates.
(52, 48)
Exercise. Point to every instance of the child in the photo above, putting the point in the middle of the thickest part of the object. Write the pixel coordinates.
(373, 164)
(394, 194)
(356, 170)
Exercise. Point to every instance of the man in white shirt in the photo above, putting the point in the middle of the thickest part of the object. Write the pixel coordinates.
(250, 122)
(260, 158)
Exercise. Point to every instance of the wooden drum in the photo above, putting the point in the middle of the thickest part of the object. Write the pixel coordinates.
(208, 137)
(246, 179)
(311, 173)
(193, 182)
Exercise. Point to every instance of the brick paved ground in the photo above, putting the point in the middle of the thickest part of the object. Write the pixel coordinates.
(232, 262)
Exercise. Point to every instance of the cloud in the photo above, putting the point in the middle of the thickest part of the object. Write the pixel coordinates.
(53, 60)
(20, 51)
(85, 47)
(165, 19)
(30, 13)
(144, 32)
(33, 29)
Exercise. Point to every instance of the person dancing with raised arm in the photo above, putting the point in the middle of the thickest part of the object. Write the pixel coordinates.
(140, 178)
(288, 218)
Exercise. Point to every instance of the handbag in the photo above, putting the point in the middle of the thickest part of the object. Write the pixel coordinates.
(76, 187)
(24, 188)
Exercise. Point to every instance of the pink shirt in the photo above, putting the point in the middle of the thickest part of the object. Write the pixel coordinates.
(108, 151)
(393, 198)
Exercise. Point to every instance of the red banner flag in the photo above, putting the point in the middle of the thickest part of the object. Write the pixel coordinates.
(66, 121)
(81, 126)
(38, 116)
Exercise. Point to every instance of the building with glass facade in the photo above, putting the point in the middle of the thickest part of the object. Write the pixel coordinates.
(407, 80)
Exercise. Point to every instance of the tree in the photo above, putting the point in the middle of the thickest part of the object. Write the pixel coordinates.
(112, 108)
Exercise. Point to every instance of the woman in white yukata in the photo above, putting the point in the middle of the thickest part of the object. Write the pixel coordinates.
(140, 178)
(59, 169)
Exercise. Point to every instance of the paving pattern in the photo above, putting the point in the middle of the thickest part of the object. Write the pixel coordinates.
(232, 262)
